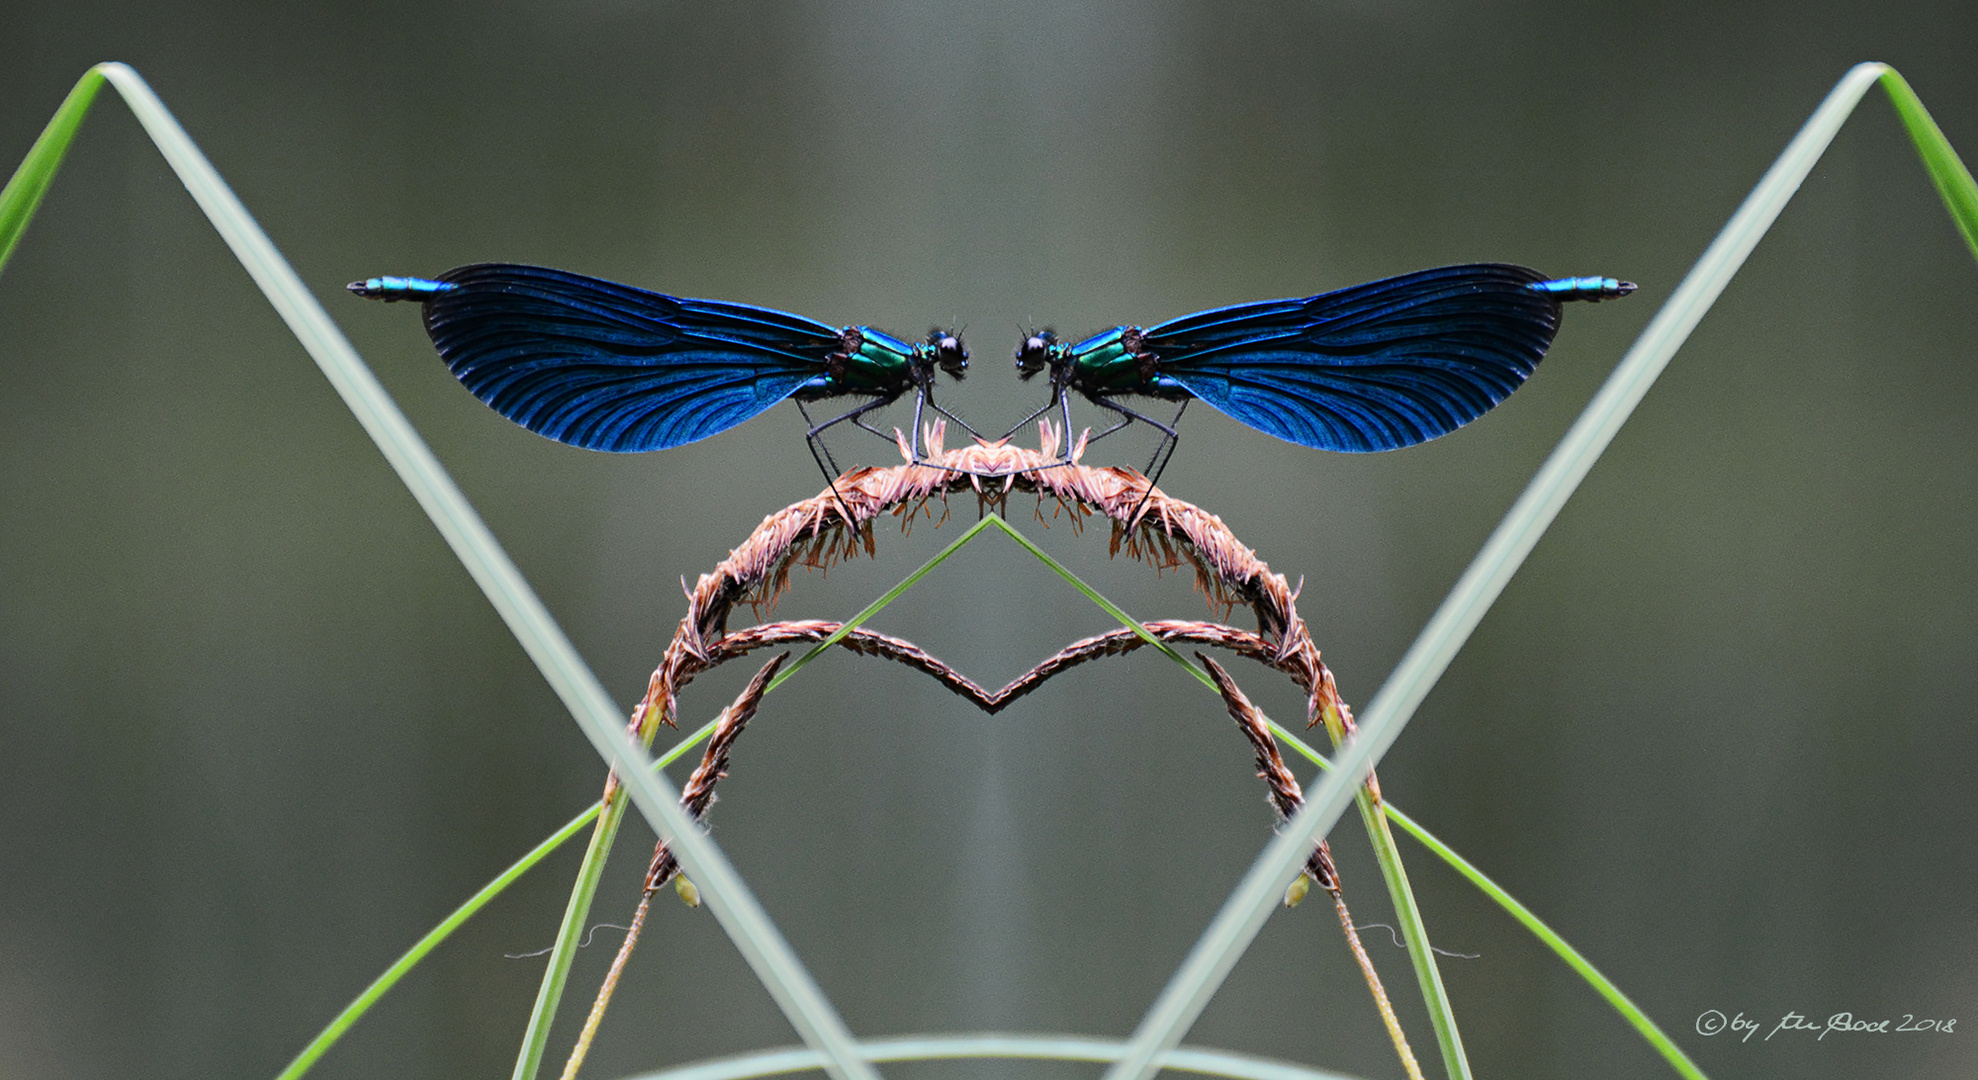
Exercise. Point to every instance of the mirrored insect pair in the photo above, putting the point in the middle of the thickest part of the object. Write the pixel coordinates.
(609, 367)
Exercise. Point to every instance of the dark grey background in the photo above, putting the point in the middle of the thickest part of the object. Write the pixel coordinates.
(258, 731)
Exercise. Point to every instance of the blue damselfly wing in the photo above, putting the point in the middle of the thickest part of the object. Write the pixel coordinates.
(611, 367)
(1373, 367)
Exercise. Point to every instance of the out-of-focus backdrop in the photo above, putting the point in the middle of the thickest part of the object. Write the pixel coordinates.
(258, 730)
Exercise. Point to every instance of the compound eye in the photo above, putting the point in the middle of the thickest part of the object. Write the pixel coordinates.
(1033, 354)
(951, 354)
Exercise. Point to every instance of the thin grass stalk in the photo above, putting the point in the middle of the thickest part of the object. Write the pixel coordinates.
(569, 935)
(1381, 1004)
(1286, 797)
(22, 195)
(1414, 932)
(605, 991)
(697, 797)
(1415, 935)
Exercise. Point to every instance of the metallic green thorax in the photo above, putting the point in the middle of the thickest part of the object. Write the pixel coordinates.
(872, 362)
(1107, 362)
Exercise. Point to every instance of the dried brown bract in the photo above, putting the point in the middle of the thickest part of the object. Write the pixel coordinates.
(837, 523)
(1286, 797)
(698, 796)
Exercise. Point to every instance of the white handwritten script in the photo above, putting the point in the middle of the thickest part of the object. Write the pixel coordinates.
(1713, 1022)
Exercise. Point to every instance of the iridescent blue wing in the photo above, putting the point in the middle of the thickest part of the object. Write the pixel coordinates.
(610, 367)
(1374, 367)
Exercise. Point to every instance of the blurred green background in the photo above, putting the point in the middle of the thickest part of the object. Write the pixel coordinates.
(258, 730)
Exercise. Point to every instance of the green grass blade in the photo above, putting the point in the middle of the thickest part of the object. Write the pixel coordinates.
(362, 1003)
(1441, 1011)
(22, 195)
(1946, 169)
(1105, 605)
(356, 1009)
(879, 605)
(1605, 988)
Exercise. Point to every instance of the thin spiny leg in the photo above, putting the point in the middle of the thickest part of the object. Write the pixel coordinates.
(1109, 431)
(1168, 443)
(822, 453)
(1169, 438)
(854, 416)
(818, 450)
(932, 404)
(1011, 433)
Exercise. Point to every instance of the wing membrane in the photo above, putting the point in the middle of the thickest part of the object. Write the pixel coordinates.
(1373, 367)
(610, 367)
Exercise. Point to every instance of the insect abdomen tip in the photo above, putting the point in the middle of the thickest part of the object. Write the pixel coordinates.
(1591, 289)
(399, 288)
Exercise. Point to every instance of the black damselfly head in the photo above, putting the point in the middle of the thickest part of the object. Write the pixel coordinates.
(1034, 352)
(949, 352)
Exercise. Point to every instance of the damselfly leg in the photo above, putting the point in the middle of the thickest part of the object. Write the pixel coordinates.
(814, 438)
(1163, 451)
